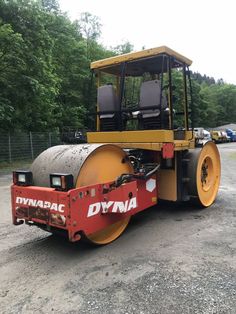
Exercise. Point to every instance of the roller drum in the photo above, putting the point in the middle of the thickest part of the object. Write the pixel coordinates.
(60, 159)
(89, 164)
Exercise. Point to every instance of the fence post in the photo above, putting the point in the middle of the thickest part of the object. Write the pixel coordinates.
(9, 147)
(31, 145)
(50, 139)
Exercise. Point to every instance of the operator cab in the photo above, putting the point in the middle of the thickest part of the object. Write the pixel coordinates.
(136, 91)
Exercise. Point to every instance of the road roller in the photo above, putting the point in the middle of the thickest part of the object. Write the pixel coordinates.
(143, 150)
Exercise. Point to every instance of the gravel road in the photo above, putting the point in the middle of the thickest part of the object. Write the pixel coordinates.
(171, 259)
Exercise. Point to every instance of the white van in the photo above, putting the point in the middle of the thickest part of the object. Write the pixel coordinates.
(206, 136)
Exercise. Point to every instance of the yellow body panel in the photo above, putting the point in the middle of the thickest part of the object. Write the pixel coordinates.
(167, 184)
(145, 139)
(138, 55)
(145, 136)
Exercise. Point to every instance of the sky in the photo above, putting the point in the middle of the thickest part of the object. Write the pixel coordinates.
(201, 30)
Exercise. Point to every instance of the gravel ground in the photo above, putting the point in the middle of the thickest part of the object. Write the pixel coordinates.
(171, 259)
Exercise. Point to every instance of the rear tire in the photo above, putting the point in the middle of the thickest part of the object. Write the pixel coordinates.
(204, 173)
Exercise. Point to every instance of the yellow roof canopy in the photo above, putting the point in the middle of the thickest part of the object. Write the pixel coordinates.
(150, 56)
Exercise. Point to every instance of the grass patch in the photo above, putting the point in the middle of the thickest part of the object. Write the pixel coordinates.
(6, 167)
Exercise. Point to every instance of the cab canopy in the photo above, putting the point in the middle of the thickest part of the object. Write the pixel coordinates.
(153, 61)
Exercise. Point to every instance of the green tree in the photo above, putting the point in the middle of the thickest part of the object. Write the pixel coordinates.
(71, 67)
(123, 48)
(225, 98)
(50, 5)
(90, 28)
(34, 97)
(11, 66)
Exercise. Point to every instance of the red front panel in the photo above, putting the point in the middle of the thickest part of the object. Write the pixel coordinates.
(91, 210)
(87, 209)
(41, 205)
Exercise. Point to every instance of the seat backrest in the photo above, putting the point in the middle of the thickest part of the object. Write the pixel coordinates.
(107, 101)
(150, 94)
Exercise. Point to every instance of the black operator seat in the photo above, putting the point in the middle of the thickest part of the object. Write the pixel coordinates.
(150, 96)
(108, 105)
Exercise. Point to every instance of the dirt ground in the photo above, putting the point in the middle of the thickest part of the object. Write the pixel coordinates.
(171, 259)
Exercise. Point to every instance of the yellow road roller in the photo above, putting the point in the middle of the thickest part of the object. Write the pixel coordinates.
(143, 150)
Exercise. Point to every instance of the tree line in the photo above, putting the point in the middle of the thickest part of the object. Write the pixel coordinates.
(45, 79)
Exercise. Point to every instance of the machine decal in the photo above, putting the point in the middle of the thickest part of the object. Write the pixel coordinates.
(40, 203)
(150, 185)
(112, 207)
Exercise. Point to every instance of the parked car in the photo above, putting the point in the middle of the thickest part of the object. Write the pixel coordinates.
(206, 136)
(225, 137)
(199, 135)
(231, 134)
(202, 136)
(216, 136)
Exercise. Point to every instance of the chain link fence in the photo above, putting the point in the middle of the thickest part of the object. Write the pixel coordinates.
(25, 146)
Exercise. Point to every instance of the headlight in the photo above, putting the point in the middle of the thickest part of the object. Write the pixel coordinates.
(22, 177)
(56, 181)
(61, 182)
